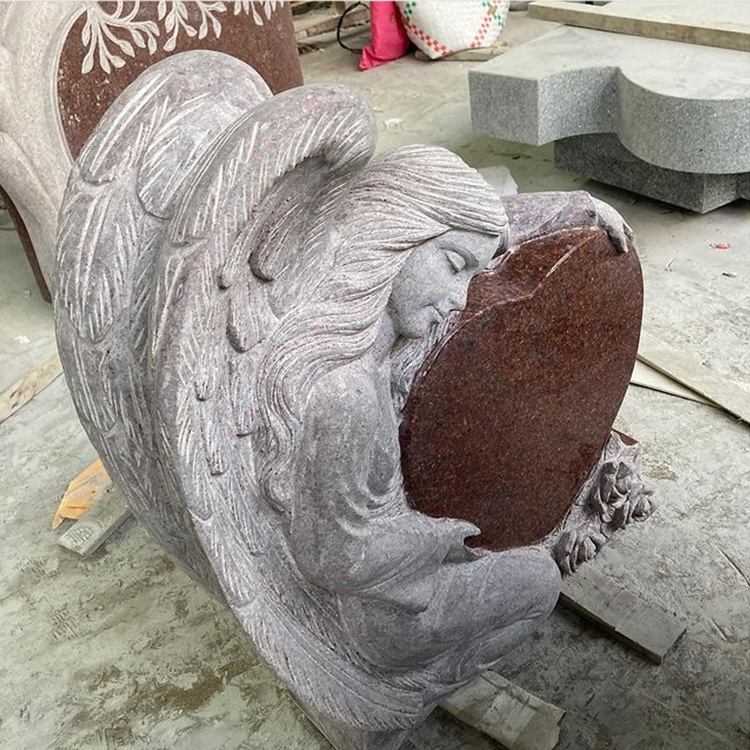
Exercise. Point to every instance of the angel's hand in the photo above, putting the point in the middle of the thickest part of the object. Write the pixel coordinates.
(577, 546)
(456, 532)
(620, 234)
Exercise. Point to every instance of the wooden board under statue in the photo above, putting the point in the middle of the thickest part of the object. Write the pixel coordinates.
(509, 414)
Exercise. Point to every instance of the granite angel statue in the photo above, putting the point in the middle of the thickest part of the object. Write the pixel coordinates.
(235, 271)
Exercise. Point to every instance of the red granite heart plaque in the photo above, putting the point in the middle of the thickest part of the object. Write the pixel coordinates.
(508, 417)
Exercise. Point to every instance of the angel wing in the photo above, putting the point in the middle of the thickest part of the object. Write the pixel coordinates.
(197, 215)
(120, 197)
(248, 241)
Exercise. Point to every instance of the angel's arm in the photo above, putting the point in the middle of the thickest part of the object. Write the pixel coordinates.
(532, 215)
(337, 536)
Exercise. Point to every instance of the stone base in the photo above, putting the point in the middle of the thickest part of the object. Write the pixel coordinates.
(602, 157)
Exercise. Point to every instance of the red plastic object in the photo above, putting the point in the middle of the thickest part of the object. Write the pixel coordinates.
(389, 38)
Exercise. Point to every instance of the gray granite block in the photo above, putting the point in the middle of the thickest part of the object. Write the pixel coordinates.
(602, 157)
(678, 106)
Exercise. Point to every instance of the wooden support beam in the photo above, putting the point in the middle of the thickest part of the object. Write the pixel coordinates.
(506, 712)
(83, 493)
(594, 17)
(646, 376)
(22, 391)
(318, 22)
(645, 628)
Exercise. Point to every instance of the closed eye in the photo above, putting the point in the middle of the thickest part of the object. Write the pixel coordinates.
(456, 260)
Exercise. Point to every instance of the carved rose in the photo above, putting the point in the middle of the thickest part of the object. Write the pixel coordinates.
(614, 496)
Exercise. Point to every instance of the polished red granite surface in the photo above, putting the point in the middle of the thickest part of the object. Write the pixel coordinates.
(83, 98)
(507, 418)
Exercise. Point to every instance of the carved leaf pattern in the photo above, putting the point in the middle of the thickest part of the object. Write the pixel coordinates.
(102, 29)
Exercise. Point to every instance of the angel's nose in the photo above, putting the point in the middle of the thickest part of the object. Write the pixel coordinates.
(458, 297)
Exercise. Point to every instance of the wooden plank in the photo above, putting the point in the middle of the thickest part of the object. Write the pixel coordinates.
(82, 493)
(646, 376)
(598, 18)
(23, 390)
(88, 534)
(694, 375)
(645, 628)
(321, 21)
(319, 41)
(506, 712)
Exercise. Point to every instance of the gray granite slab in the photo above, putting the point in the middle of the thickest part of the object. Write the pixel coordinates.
(677, 106)
(732, 15)
(602, 157)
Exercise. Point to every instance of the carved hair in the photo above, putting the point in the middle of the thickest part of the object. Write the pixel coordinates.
(403, 198)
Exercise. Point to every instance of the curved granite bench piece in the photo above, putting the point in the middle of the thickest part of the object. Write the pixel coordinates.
(677, 106)
(663, 119)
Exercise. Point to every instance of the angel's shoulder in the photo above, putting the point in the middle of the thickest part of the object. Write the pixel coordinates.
(344, 394)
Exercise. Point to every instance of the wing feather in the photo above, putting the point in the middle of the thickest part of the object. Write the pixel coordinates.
(168, 286)
(119, 197)
(250, 231)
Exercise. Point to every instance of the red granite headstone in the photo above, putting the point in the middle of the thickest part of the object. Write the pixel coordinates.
(508, 416)
(258, 34)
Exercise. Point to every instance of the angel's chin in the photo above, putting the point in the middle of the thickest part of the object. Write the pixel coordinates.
(421, 323)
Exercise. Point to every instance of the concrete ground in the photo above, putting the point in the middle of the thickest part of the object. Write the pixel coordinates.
(123, 651)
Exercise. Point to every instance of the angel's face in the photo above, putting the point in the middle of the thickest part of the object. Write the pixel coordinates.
(435, 280)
